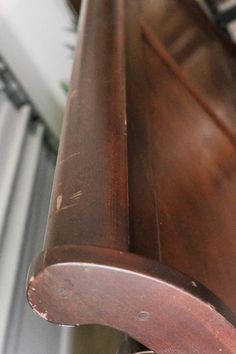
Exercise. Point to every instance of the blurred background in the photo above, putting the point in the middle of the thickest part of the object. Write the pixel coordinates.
(37, 40)
(37, 43)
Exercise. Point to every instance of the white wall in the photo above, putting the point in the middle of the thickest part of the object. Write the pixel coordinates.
(33, 38)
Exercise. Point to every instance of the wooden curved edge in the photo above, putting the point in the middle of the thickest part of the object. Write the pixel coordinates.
(160, 308)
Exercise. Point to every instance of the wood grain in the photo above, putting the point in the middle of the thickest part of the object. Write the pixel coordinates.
(145, 184)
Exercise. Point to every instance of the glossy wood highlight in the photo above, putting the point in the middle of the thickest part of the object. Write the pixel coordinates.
(140, 201)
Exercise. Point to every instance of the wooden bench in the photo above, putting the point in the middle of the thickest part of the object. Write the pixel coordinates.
(145, 184)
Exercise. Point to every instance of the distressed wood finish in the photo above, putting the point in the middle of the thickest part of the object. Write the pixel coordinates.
(162, 309)
(90, 187)
(132, 211)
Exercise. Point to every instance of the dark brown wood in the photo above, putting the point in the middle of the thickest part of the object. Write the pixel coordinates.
(139, 201)
(143, 218)
(161, 51)
(198, 49)
(193, 168)
(158, 307)
(90, 187)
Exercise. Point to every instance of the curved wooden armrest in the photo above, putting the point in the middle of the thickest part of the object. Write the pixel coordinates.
(160, 308)
(99, 218)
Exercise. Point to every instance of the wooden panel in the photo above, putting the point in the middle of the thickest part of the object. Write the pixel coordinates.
(143, 223)
(194, 165)
(193, 43)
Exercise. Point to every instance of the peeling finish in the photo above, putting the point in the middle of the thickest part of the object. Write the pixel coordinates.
(211, 306)
(59, 202)
(138, 279)
(31, 279)
(138, 296)
(44, 314)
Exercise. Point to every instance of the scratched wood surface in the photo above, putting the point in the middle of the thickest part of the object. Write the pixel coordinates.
(145, 185)
(90, 185)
